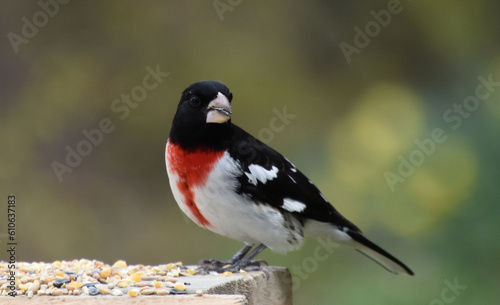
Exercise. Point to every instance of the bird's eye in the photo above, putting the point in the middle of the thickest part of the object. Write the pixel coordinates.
(194, 101)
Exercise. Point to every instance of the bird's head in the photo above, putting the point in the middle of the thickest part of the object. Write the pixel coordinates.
(204, 107)
(206, 102)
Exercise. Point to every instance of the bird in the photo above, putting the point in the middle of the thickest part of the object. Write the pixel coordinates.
(231, 183)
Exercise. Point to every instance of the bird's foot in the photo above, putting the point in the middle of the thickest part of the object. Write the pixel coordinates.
(207, 265)
(212, 262)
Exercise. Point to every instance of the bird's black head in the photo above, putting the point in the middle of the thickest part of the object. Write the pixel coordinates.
(203, 114)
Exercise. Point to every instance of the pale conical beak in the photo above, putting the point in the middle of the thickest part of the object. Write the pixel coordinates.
(219, 110)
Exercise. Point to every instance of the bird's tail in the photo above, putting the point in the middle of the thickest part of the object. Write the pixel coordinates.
(378, 254)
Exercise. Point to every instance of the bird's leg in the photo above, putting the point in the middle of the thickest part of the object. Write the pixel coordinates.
(247, 263)
(237, 257)
(240, 254)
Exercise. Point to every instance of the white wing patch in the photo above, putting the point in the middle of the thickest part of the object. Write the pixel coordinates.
(292, 166)
(258, 173)
(293, 205)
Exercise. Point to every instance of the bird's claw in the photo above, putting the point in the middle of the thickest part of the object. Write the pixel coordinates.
(211, 262)
(208, 265)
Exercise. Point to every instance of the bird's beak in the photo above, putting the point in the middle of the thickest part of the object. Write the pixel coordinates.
(219, 110)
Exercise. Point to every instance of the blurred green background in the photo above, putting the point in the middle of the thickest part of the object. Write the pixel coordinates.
(355, 121)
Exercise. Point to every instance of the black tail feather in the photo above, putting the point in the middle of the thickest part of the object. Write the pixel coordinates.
(379, 255)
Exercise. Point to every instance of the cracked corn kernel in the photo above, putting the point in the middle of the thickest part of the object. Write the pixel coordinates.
(57, 263)
(134, 293)
(180, 286)
(104, 291)
(227, 273)
(74, 285)
(120, 264)
(191, 271)
(158, 284)
(135, 277)
(105, 273)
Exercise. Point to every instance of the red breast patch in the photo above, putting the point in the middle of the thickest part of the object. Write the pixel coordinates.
(192, 168)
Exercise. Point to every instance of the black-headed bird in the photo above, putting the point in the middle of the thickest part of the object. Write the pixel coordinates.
(231, 183)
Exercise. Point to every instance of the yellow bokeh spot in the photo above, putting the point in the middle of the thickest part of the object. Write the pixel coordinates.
(371, 140)
(383, 123)
(433, 191)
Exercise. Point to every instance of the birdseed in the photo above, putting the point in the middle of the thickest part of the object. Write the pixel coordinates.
(91, 277)
(134, 292)
(180, 286)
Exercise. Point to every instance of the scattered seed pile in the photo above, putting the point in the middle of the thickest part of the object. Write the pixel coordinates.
(91, 277)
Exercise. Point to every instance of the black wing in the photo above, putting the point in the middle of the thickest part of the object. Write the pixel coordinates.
(289, 183)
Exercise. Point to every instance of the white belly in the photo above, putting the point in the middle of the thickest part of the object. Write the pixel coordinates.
(236, 216)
